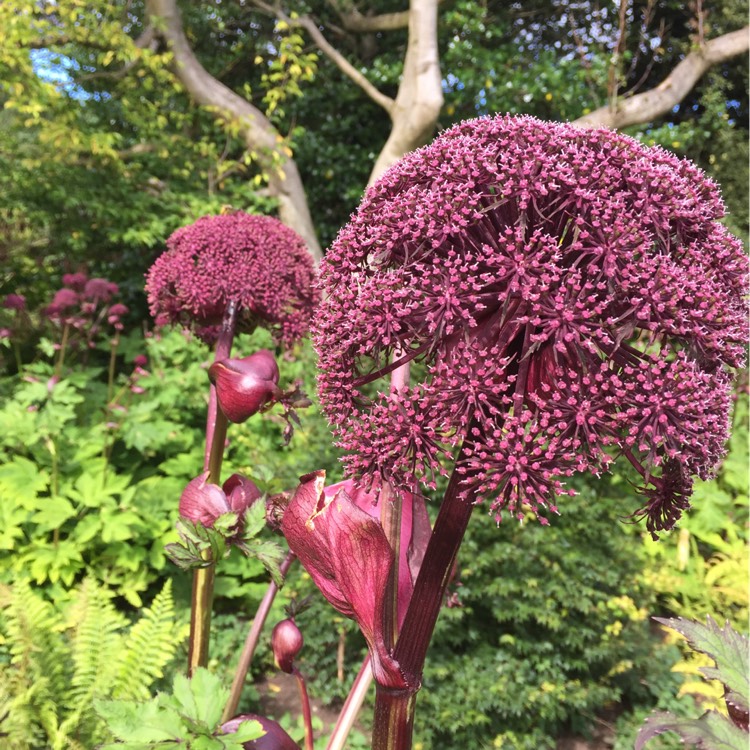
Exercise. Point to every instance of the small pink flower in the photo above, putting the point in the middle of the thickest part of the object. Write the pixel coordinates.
(570, 295)
(255, 261)
(244, 386)
(140, 360)
(203, 503)
(63, 300)
(75, 281)
(100, 290)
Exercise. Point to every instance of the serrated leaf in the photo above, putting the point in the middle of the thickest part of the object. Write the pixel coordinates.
(255, 519)
(54, 513)
(725, 646)
(141, 722)
(271, 555)
(248, 730)
(202, 697)
(711, 732)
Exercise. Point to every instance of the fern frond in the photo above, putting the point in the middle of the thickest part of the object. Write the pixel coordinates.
(34, 633)
(96, 642)
(148, 648)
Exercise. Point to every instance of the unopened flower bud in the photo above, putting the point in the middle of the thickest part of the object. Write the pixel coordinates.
(244, 386)
(203, 503)
(275, 738)
(286, 642)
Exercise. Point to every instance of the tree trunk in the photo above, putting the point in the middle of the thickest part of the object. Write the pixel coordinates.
(284, 180)
(415, 111)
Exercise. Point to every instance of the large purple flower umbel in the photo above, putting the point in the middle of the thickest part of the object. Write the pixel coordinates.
(572, 297)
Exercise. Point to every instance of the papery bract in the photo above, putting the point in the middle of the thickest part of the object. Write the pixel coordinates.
(244, 386)
(347, 554)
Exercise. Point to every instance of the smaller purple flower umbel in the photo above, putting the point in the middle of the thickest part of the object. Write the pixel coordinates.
(202, 502)
(244, 386)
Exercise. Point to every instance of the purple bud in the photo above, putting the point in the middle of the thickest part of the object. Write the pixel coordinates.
(275, 738)
(241, 493)
(203, 503)
(244, 386)
(140, 360)
(286, 642)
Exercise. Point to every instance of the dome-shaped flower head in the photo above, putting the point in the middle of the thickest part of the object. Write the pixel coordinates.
(255, 261)
(571, 296)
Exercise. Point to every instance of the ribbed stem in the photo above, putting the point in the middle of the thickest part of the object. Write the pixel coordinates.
(394, 710)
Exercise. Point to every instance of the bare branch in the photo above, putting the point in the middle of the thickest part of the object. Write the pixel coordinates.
(331, 52)
(658, 101)
(284, 180)
(344, 65)
(355, 21)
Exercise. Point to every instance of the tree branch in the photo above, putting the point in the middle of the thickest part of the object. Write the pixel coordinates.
(343, 64)
(331, 52)
(259, 134)
(658, 101)
(355, 21)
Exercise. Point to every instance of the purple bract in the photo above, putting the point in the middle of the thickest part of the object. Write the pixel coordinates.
(255, 261)
(570, 296)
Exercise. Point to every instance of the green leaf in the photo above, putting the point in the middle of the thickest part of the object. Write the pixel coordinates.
(248, 730)
(21, 481)
(202, 697)
(141, 722)
(255, 519)
(725, 646)
(53, 514)
(711, 732)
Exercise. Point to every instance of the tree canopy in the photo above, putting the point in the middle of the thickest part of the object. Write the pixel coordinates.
(123, 120)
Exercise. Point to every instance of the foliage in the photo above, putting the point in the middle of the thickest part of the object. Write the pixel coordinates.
(702, 569)
(90, 476)
(712, 730)
(54, 661)
(189, 717)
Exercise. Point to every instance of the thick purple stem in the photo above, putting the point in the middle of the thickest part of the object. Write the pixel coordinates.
(394, 710)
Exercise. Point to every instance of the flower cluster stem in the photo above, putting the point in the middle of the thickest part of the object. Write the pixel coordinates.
(394, 710)
(251, 642)
(203, 578)
(351, 707)
(306, 713)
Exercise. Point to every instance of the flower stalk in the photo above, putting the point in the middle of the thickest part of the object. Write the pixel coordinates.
(251, 642)
(203, 578)
(394, 709)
